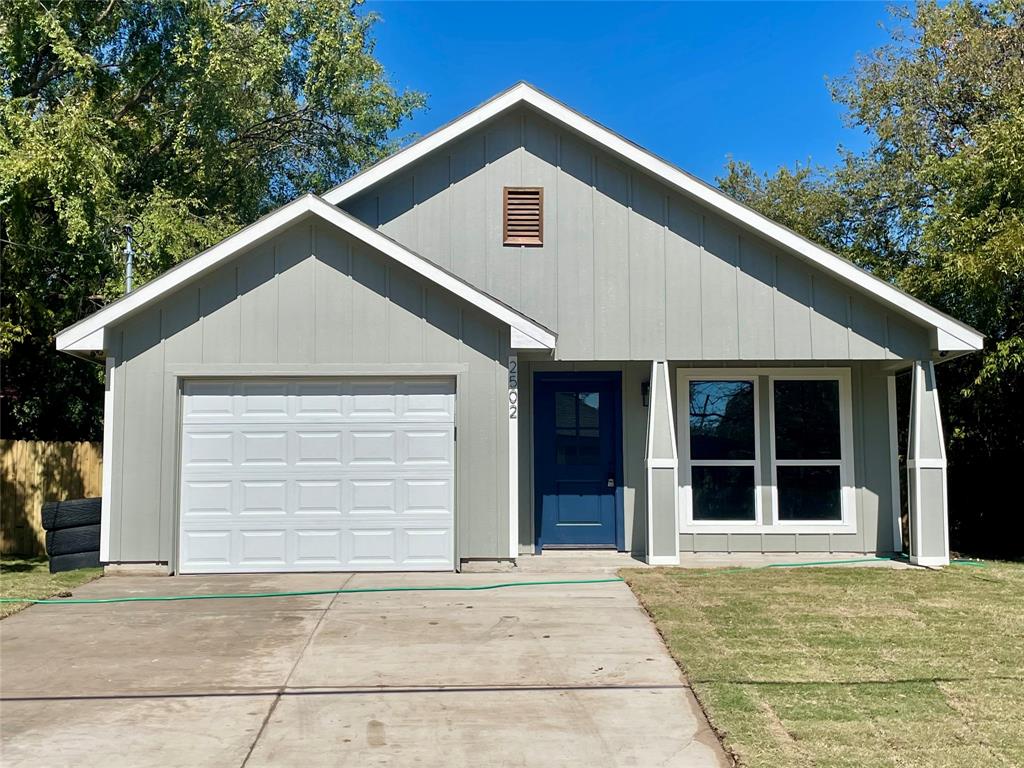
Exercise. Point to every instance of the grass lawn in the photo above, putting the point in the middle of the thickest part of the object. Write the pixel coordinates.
(32, 578)
(851, 666)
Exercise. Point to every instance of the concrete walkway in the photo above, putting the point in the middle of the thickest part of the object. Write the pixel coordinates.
(556, 676)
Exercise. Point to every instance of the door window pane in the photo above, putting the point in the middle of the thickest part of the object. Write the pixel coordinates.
(807, 419)
(723, 493)
(721, 420)
(809, 493)
(577, 428)
(565, 410)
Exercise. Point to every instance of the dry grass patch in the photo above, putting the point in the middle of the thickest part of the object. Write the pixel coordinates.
(32, 578)
(851, 666)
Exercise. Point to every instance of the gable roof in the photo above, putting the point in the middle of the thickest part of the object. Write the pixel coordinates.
(87, 335)
(949, 334)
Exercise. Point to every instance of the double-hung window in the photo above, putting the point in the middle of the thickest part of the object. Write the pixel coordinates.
(766, 450)
(721, 450)
(811, 455)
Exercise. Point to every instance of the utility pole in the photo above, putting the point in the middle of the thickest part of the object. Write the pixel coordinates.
(129, 255)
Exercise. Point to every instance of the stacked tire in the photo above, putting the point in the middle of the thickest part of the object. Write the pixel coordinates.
(72, 534)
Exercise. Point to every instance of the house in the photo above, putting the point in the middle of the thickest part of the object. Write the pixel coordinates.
(521, 332)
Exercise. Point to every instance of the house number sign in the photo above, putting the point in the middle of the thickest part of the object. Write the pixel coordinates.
(513, 387)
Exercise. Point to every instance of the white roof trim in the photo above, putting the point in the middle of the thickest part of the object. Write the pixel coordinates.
(88, 334)
(957, 335)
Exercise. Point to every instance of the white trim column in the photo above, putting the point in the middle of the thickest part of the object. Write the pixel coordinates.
(896, 509)
(108, 460)
(513, 455)
(662, 472)
(926, 471)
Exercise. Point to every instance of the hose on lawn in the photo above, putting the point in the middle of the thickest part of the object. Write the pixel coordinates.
(452, 588)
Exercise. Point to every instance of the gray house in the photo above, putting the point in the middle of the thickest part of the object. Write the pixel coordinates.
(521, 332)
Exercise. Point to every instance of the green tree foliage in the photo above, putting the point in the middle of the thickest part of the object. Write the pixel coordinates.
(181, 119)
(936, 204)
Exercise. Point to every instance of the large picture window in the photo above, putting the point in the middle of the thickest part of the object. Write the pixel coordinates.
(723, 449)
(801, 481)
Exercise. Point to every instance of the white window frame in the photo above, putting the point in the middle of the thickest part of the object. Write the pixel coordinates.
(686, 522)
(766, 520)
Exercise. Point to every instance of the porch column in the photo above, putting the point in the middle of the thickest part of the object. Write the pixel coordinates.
(926, 471)
(662, 472)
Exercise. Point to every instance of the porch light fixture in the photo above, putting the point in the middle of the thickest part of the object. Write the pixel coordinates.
(645, 393)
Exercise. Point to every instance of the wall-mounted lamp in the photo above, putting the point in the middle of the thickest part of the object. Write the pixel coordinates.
(645, 393)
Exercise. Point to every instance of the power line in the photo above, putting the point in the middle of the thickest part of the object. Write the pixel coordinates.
(38, 248)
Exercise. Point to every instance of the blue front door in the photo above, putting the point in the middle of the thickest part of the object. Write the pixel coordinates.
(577, 428)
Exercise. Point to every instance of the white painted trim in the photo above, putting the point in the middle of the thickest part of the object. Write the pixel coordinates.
(659, 381)
(514, 412)
(920, 373)
(520, 340)
(929, 562)
(662, 463)
(685, 477)
(926, 463)
(913, 475)
(652, 406)
(847, 471)
(953, 335)
(83, 335)
(666, 383)
(894, 467)
(108, 461)
(662, 560)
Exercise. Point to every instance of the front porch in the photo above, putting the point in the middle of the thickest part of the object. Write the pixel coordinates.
(778, 459)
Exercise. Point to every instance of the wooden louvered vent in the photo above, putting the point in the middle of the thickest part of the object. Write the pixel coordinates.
(524, 215)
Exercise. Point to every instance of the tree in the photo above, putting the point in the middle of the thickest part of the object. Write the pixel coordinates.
(936, 204)
(178, 122)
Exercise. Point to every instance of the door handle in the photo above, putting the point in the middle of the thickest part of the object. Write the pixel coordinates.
(611, 481)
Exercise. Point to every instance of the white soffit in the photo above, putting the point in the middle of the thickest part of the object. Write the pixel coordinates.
(956, 335)
(88, 334)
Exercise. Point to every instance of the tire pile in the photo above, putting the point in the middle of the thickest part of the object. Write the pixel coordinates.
(72, 534)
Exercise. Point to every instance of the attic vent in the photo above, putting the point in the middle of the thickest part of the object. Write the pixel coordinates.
(524, 215)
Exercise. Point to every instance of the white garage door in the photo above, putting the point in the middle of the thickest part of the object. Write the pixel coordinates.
(317, 475)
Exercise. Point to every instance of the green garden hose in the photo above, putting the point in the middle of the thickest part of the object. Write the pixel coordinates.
(171, 598)
(455, 588)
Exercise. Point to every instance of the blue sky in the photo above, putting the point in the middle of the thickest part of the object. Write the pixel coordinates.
(692, 82)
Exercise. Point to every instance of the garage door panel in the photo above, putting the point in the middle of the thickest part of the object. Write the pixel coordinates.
(206, 499)
(319, 447)
(205, 449)
(206, 549)
(329, 474)
(372, 497)
(426, 546)
(318, 497)
(427, 447)
(263, 547)
(367, 446)
(318, 548)
(263, 497)
(262, 448)
(372, 401)
(431, 497)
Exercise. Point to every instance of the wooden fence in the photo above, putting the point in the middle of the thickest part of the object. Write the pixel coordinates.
(34, 472)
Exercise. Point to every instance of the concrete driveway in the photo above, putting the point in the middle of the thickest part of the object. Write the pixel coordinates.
(559, 675)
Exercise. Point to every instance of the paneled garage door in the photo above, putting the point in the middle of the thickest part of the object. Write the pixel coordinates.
(317, 475)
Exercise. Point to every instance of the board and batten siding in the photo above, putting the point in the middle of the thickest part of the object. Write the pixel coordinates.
(311, 301)
(630, 269)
